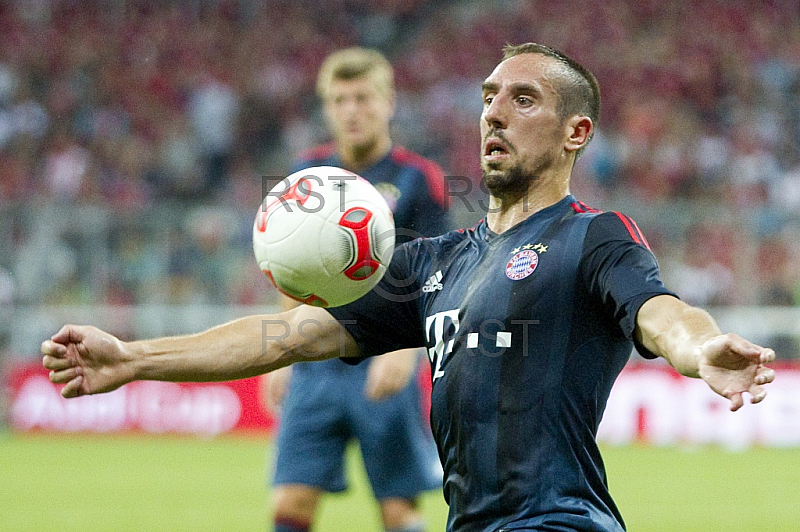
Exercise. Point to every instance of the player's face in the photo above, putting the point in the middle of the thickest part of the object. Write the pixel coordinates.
(523, 136)
(358, 112)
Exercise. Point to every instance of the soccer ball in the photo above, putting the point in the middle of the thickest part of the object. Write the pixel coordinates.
(324, 236)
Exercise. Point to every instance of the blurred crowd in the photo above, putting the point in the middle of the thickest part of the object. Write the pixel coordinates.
(136, 137)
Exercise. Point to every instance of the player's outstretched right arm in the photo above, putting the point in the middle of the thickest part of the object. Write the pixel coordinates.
(88, 360)
(690, 340)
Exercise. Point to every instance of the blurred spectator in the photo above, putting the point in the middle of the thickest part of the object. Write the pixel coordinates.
(753, 169)
(778, 273)
(43, 261)
(704, 273)
(210, 230)
(180, 172)
(213, 109)
(65, 166)
(16, 171)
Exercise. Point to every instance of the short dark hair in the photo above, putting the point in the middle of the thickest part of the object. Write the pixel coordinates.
(580, 92)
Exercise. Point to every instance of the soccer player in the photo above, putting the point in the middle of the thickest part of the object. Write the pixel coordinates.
(535, 312)
(324, 405)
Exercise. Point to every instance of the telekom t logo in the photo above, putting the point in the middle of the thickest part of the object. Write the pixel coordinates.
(435, 328)
(442, 328)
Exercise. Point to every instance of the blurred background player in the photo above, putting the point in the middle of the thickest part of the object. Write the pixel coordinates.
(324, 405)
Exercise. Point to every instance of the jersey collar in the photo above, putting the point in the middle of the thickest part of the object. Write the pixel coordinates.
(544, 216)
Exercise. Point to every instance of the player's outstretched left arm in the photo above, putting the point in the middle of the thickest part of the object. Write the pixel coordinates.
(88, 360)
(690, 340)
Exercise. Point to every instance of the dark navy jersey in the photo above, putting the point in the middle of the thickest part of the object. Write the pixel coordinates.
(413, 186)
(526, 332)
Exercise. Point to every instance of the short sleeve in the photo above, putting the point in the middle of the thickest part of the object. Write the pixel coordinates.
(620, 270)
(386, 318)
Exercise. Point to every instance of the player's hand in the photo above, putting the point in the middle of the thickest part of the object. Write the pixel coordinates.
(86, 360)
(274, 387)
(732, 366)
(390, 373)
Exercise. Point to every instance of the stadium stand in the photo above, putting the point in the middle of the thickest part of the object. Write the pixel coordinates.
(136, 137)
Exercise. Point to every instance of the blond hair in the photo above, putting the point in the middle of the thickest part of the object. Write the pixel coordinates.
(354, 63)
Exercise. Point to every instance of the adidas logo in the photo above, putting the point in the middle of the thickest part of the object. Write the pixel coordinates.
(434, 283)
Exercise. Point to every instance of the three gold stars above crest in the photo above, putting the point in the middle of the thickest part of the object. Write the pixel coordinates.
(539, 248)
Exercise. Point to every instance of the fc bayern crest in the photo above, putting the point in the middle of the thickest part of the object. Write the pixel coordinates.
(522, 264)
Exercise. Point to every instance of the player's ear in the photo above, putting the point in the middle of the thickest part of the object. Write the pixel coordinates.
(579, 131)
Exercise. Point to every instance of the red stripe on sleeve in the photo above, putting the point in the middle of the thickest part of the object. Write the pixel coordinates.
(434, 175)
(633, 230)
(629, 227)
(641, 235)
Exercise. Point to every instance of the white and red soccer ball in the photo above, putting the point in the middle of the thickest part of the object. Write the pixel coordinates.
(324, 236)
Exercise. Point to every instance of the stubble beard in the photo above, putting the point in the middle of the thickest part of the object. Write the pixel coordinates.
(510, 186)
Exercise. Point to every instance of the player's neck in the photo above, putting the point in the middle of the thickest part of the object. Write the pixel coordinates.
(358, 158)
(507, 211)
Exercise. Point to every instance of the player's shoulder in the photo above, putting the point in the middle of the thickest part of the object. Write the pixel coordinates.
(405, 157)
(437, 246)
(428, 170)
(608, 226)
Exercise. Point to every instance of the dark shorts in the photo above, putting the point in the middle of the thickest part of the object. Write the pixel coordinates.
(326, 408)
